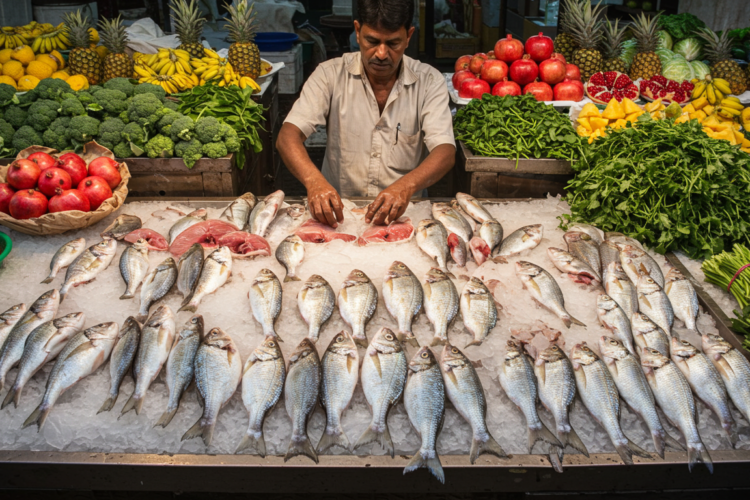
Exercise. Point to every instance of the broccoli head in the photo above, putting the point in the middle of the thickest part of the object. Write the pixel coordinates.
(124, 117)
(26, 137)
(169, 104)
(84, 96)
(70, 106)
(231, 139)
(110, 133)
(51, 88)
(42, 113)
(113, 102)
(182, 129)
(214, 150)
(121, 84)
(6, 131)
(56, 135)
(7, 93)
(132, 132)
(145, 109)
(208, 129)
(27, 98)
(160, 146)
(150, 88)
(165, 124)
(190, 151)
(94, 89)
(83, 129)
(122, 150)
(16, 116)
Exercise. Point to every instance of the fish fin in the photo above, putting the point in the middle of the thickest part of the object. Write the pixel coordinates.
(303, 447)
(431, 463)
(555, 458)
(577, 322)
(48, 280)
(637, 450)
(126, 296)
(288, 278)
(360, 341)
(542, 434)
(575, 442)
(187, 307)
(200, 430)
(329, 440)
(566, 321)
(134, 403)
(373, 436)
(376, 361)
(38, 417)
(409, 337)
(63, 294)
(109, 403)
(626, 454)
(437, 340)
(474, 342)
(645, 301)
(166, 417)
(499, 260)
(672, 442)
(250, 442)
(490, 446)
(450, 274)
(699, 454)
(14, 395)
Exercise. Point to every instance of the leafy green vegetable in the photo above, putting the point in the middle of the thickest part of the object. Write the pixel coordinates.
(689, 48)
(720, 270)
(681, 25)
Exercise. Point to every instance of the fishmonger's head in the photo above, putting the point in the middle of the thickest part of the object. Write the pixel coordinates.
(384, 28)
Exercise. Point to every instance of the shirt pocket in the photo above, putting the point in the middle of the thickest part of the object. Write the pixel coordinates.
(405, 154)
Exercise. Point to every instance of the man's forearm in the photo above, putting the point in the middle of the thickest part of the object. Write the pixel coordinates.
(291, 146)
(438, 163)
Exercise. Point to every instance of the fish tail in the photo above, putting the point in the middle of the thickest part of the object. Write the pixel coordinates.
(188, 306)
(14, 396)
(141, 318)
(126, 296)
(314, 333)
(63, 292)
(301, 447)
(48, 279)
(474, 342)
(200, 429)
(109, 403)
(428, 460)
(359, 336)
(134, 403)
(439, 340)
(383, 438)
(556, 455)
(570, 320)
(626, 454)
(637, 450)
(488, 446)
(499, 260)
(697, 453)
(336, 437)
(406, 336)
(672, 442)
(575, 442)
(38, 417)
(542, 434)
(291, 277)
(166, 417)
(251, 442)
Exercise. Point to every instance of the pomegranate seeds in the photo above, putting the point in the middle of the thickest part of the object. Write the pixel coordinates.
(598, 79)
(610, 77)
(602, 87)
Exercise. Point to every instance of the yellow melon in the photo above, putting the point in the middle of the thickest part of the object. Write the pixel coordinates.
(689, 109)
(598, 123)
(619, 123)
(585, 123)
(613, 111)
(629, 106)
(589, 110)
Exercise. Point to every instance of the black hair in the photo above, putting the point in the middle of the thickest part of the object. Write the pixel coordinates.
(391, 15)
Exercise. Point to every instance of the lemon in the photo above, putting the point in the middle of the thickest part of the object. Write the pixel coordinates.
(13, 69)
(5, 55)
(102, 51)
(47, 59)
(39, 69)
(60, 75)
(78, 82)
(8, 81)
(27, 82)
(23, 54)
(93, 36)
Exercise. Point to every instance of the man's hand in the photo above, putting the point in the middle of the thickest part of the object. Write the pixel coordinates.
(324, 203)
(391, 203)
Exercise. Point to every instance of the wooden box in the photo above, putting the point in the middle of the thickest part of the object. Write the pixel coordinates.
(452, 48)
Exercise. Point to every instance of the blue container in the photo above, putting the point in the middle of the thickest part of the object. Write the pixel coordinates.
(275, 41)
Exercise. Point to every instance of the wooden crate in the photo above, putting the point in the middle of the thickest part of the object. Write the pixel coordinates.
(452, 48)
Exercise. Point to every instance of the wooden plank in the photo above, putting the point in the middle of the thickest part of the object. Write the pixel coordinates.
(529, 186)
(176, 165)
(483, 185)
(542, 166)
(166, 185)
(228, 187)
(212, 184)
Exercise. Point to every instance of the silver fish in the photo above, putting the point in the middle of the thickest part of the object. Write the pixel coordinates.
(64, 257)
(81, 356)
(654, 303)
(569, 263)
(621, 289)
(121, 362)
(238, 212)
(264, 213)
(134, 267)
(609, 252)
(157, 338)
(262, 384)
(88, 265)
(683, 298)
(464, 389)
(585, 248)
(491, 231)
(340, 374)
(122, 226)
(217, 268)
(180, 365)
(424, 400)
(621, 239)
(383, 377)
(301, 391)
(41, 311)
(458, 250)
(478, 310)
(599, 393)
(189, 269)
(706, 383)
(594, 232)
(265, 301)
(218, 370)
(614, 319)
(646, 333)
(734, 369)
(43, 345)
(636, 262)
(441, 302)
(358, 299)
(402, 294)
(156, 285)
(432, 239)
(472, 207)
(8, 320)
(525, 238)
(316, 302)
(544, 290)
(290, 254)
(673, 394)
(452, 221)
(191, 219)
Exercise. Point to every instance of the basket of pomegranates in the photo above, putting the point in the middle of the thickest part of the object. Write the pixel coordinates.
(46, 192)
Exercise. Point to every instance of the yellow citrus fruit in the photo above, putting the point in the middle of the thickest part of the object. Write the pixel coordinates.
(49, 60)
(78, 82)
(5, 55)
(59, 58)
(39, 69)
(102, 51)
(13, 69)
(23, 54)
(94, 35)
(8, 81)
(28, 82)
(60, 75)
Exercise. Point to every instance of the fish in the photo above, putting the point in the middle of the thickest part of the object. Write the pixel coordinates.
(457, 248)
(621, 289)
(626, 371)
(432, 239)
(480, 250)
(478, 310)
(243, 245)
(424, 400)
(156, 285)
(88, 265)
(156, 341)
(265, 300)
(340, 365)
(402, 294)
(441, 303)
(614, 319)
(209, 234)
(585, 248)
(191, 219)
(608, 252)
(64, 257)
(312, 231)
(594, 232)
(357, 300)
(238, 212)
(621, 239)
(189, 269)
(464, 390)
(544, 290)
(600, 396)
(654, 303)
(42, 310)
(569, 263)
(471, 206)
(123, 354)
(154, 240)
(134, 267)
(460, 211)
(122, 226)
(43, 345)
(290, 254)
(288, 219)
(180, 365)
(636, 262)
(399, 231)
(683, 298)
(452, 221)
(383, 377)
(672, 393)
(264, 212)
(522, 239)
(491, 231)
(301, 391)
(734, 369)
(81, 356)
(217, 268)
(8, 320)
(646, 333)
(262, 384)
(218, 371)
(316, 302)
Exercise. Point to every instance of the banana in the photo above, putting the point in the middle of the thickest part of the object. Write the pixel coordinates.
(182, 54)
(722, 85)
(732, 104)
(210, 53)
(719, 94)
(171, 69)
(210, 75)
(151, 59)
(729, 111)
(699, 90)
(711, 94)
(195, 79)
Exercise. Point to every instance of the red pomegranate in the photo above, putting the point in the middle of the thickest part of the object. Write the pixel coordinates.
(551, 71)
(108, 169)
(473, 89)
(54, 178)
(70, 199)
(506, 87)
(524, 71)
(540, 90)
(44, 160)
(491, 55)
(508, 49)
(494, 71)
(96, 190)
(539, 47)
(568, 90)
(462, 63)
(460, 76)
(572, 72)
(6, 193)
(559, 57)
(75, 166)
(23, 174)
(28, 204)
(476, 63)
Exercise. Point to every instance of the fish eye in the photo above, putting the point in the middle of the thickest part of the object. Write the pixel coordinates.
(454, 350)
(340, 338)
(585, 349)
(425, 355)
(388, 336)
(685, 342)
(613, 342)
(272, 344)
(555, 348)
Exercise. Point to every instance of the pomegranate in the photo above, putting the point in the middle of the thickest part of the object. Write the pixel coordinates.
(524, 71)
(506, 87)
(540, 90)
(473, 89)
(539, 47)
(44, 160)
(69, 199)
(491, 55)
(23, 174)
(551, 71)
(568, 90)
(54, 178)
(572, 72)
(28, 204)
(460, 76)
(476, 63)
(508, 49)
(6, 193)
(559, 57)
(108, 169)
(462, 63)
(75, 166)
(494, 71)
(96, 190)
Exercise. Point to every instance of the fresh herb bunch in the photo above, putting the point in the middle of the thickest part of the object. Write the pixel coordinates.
(720, 269)
(231, 105)
(682, 25)
(516, 127)
(669, 186)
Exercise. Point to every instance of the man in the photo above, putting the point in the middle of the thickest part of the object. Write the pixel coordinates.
(381, 110)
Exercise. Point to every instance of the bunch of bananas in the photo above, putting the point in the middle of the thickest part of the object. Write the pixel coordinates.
(212, 68)
(714, 89)
(9, 39)
(745, 118)
(730, 107)
(54, 40)
(168, 62)
(172, 84)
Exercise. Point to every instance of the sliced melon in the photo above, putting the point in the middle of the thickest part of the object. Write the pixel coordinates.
(598, 123)
(689, 109)
(629, 106)
(700, 103)
(614, 110)
(589, 110)
(585, 123)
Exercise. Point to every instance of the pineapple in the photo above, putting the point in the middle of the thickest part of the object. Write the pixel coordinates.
(718, 51)
(586, 29)
(645, 62)
(188, 25)
(82, 60)
(244, 55)
(564, 42)
(116, 63)
(612, 47)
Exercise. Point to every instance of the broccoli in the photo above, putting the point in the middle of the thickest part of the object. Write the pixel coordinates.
(70, 106)
(171, 105)
(121, 84)
(84, 96)
(27, 98)
(150, 88)
(124, 116)
(110, 132)
(231, 140)
(7, 93)
(51, 88)
(182, 129)
(16, 116)
(94, 89)
(145, 109)
(26, 137)
(208, 129)
(215, 150)
(6, 131)
(56, 135)
(83, 129)
(134, 133)
(113, 102)
(160, 146)
(122, 150)
(190, 151)
(165, 124)
(42, 113)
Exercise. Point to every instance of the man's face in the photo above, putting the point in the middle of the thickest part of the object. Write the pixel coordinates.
(382, 50)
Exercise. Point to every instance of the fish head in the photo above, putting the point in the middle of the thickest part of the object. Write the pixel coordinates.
(268, 350)
(434, 275)
(424, 224)
(514, 349)
(452, 357)
(582, 354)
(167, 263)
(192, 328)
(630, 252)
(343, 343)
(222, 255)
(249, 198)
(423, 360)
(652, 358)
(296, 211)
(615, 271)
(103, 332)
(199, 213)
(551, 354)
(386, 342)
(356, 277)
(475, 286)
(673, 274)
(532, 232)
(314, 281)
(13, 314)
(683, 349)
(162, 315)
(72, 320)
(646, 284)
(397, 270)
(78, 243)
(642, 324)
(105, 247)
(466, 198)
(48, 301)
(129, 325)
(141, 245)
(218, 339)
(304, 349)
(294, 239)
(559, 255)
(527, 270)
(606, 303)
(265, 275)
(612, 349)
(714, 345)
(275, 198)
(573, 237)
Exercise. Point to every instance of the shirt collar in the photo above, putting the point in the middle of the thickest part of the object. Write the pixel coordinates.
(354, 66)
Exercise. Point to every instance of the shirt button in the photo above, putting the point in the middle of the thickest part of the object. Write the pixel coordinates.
(373, 182)
(378, 127)
(376, 155)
